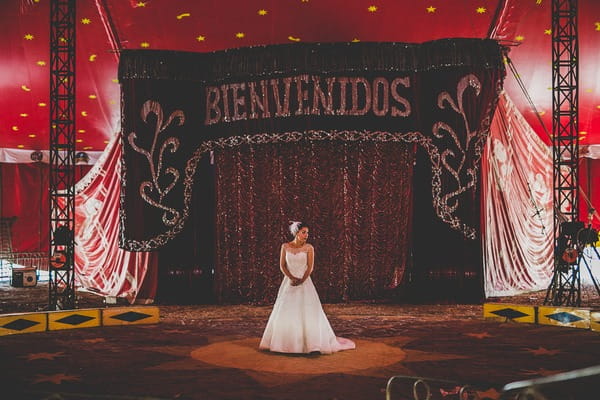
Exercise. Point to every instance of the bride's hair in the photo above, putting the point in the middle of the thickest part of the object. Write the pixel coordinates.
(295, 227)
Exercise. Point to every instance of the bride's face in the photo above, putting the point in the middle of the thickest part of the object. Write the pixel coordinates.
(302, 235)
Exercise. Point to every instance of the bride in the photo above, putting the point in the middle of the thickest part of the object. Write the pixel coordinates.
(298, 323)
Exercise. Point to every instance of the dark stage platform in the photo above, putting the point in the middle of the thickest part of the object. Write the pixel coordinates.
(211, 352)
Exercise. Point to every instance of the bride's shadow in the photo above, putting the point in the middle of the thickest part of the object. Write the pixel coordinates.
(312, 354)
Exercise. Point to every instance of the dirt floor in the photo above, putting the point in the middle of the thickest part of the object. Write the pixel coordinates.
(211, 352)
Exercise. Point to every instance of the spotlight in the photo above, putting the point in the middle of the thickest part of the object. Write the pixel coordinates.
(36, 156)
(62, 236)
(81, 158)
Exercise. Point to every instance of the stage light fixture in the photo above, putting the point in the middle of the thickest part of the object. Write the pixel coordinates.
(81, 158)
(36, 156)
(62, 236)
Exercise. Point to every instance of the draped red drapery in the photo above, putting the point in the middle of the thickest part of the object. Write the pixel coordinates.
(517, 213)
(355, 196)
(99, 262)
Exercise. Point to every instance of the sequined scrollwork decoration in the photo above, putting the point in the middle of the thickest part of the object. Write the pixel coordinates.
(151, 191)
(455, 160)
(286, 137)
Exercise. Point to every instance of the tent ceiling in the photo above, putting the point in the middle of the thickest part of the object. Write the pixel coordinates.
(211, 25)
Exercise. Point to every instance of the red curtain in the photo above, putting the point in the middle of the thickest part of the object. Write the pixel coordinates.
(356, 197)
(99, 262)
(589, 191)
(24, 198)
(517, 209)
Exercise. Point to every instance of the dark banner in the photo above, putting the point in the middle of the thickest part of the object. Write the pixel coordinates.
(179, 107)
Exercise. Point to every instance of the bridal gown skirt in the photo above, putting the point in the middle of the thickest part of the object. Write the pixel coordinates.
(298, 323)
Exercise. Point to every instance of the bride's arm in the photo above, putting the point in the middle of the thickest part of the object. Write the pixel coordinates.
(283, 266)
(310, 260)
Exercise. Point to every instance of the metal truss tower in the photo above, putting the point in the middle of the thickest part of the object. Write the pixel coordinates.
(62, 155)
(565, 286)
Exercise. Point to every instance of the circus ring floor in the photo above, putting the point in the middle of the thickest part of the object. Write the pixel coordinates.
(211, 352)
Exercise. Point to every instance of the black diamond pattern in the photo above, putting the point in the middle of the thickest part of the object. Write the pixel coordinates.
(74, 319)
(131, 316)
(20, 324)
(564, 317)
(509, 313)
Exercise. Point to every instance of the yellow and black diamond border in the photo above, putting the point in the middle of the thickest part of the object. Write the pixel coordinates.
(572, 317)
(11, 324)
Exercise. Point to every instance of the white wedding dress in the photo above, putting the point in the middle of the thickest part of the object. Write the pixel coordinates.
(298, 323)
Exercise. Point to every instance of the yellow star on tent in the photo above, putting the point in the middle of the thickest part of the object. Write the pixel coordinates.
(598, 106)
(547, 31)
(28, 36)
(106, 142)
(81, 131)
(520, 38)
(355, 40)
(201, 38)
(240, 35)
(481, 10)
(62, 40)
(293, 39)
(140, 4)
(15, 128)
(86, 21)
(183, 15)
(88, 148)
(372, 9)
(25, 88)
(92, 57)
(32, 135)
(79, 140)
(41, 104)
(92, 96)
(262, 12)
(23, 115)
(430, 9)
(84, 113)
(144, 44)
(41, 63)
(20, 146)
(597, 25)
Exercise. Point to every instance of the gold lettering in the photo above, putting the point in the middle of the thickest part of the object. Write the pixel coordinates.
(212, 106)
(256, 102)
(281, 110)
(355, 82)
(319, 97)
(385, 88)
(302, 94)
(395, 111)
(343, 82)
(226, 115)
(238, 101)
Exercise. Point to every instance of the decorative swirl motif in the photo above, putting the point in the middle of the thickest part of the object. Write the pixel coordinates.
(266, 138)
(445, 204)
(152, 192)
(453, 160)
